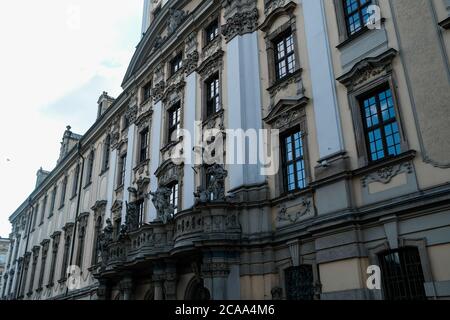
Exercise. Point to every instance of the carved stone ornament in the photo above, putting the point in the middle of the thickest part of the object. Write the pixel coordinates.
(211, 65)
(368, 69)
(386, 174)
(158, 91)
(161, 201)
(240, 24)
(215, 190)
(176, 18)
(270, 5)
(287, 113)
(292, 217)
(191, 62)
(191, 42)
(132, 217)
(131, 114)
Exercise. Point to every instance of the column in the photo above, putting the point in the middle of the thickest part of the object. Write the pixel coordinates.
(126, 285)
(329, 134)
(189, 125)
(155, 146)
(111, 183)
(244, 104)
(128, 168)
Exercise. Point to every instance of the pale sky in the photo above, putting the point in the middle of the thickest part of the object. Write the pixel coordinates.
(56, 58)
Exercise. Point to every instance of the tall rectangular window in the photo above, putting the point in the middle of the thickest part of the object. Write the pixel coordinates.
(284, 54)
(106, 153)
(380, 124)
(63, 193)
(176, 64)
(53, 201)
(90, 167)
(174, 121)
(35, 215)
(76, 176)
(293, 161)
(212, 31)
(174, 197)
(147, 92)
(143, 148)
(121, 172)
(44, 207)
(212, 95)
(356, 14)
(65, 257)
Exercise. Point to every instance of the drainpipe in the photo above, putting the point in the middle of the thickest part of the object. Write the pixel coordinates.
(77, 212)
(17, 289)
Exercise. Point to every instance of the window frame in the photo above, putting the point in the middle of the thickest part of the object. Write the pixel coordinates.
(360, 17)
(174, 187)
(375, 92)
(176, 63)
(62, 198)
(147, 91)
(144, 137)
(212, 106)
(121, 170)
(213, 24)
(283, 37)
(171, 128)
(285, 163)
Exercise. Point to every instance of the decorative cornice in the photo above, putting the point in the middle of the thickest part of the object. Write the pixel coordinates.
(191, 62)
(211, 64)
(274, 9)
(158, 91)
(368, 68)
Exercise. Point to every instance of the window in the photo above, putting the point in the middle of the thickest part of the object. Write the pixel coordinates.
(122, 168)
(402, 275)
(90, 168)
(63, 193)
(380, 125)
(140, 207)
(35, 215)
(174, 197)
(65, 258)
(81, 238)
(284, 54)
(44, 206)
(174, 121)
(147, 92)
(356, 14)
(75, 181)
(53, 201)
(97, 232)
(212, 31)
(293, 161)
(143, 149)
(106, 149)
(212, 95)
(176, 64)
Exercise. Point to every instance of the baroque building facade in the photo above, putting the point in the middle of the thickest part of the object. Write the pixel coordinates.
(357, 92)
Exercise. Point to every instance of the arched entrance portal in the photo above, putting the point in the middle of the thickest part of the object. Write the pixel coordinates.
(196, 291)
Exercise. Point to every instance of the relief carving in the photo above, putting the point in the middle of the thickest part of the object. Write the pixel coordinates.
(386, 174)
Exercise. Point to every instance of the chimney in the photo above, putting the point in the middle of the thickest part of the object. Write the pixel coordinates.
(40, 176)
(69, 141)
(104, 102)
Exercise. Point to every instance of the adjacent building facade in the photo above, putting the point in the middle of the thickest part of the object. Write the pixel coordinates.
(355, 98)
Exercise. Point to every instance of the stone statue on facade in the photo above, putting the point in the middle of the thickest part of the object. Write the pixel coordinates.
(201, 196)
(176, 17)
(132, 218)
(216, 184)
(161, 201)
(104, 239)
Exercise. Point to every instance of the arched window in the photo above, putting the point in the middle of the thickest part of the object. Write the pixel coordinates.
(402, 275)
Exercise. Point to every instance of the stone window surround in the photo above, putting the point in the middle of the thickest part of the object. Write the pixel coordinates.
(206, 24)
(344, 37)
(269, 38)
(286, 109)
(420, 244)
(356, 92)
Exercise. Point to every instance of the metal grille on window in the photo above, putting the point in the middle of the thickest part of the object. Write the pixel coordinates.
(402, 275)
(380, 122)
(299, 283)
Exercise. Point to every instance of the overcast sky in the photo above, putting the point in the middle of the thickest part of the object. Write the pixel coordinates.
(56, 57)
